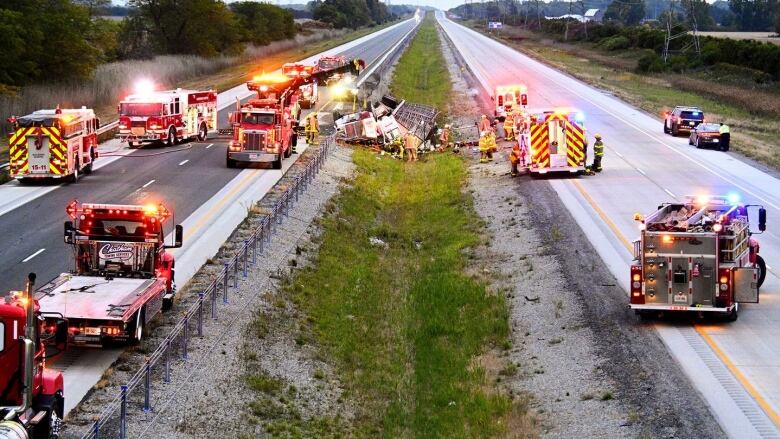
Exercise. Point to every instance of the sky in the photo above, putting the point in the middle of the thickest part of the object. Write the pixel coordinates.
(441, 4)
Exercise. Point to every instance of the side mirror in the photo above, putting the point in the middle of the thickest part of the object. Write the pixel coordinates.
(68, 232)
(178, 236)
(762, 219)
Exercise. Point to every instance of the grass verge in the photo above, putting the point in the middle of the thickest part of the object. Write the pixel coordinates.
(748, 110)
(387, 298)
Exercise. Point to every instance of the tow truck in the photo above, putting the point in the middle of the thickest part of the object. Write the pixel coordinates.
(557, 142)
(308, 90)
(31, 396)
(168, 116)
(60, 143)
(698, 256)
(509, 98)
(123, 275)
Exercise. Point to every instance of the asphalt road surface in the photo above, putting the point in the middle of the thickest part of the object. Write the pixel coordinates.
(736, 366)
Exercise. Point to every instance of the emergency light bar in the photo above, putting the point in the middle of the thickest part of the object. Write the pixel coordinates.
(76, 209)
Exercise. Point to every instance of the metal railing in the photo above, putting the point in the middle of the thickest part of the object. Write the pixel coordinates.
(112, 421)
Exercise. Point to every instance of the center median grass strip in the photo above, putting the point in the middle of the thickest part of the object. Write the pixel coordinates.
(387, 298)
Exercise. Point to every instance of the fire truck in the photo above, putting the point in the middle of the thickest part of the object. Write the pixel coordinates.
(557, 142)
(167, 116)
(123, 275)
(308, 90)
(31, 396)
(58, 144)
(509, 98)
(699, 256)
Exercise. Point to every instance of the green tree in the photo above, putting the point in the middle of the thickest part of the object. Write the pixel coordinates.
(344, 13)
(700, 11)
(753, 15)
(628, 12)
(198, 27)
(262, 23)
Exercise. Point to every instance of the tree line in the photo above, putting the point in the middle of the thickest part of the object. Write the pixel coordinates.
(54, 40)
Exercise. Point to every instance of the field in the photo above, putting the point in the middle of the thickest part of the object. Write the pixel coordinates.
(766, 37)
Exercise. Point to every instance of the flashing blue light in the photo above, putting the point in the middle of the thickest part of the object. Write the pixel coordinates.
(695, 113)
(580, 117)
(733, 198)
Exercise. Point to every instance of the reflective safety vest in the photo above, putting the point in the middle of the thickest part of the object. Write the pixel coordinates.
(724, 129)
(598, 148)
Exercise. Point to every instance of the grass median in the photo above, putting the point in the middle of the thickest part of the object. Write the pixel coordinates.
(387, 299)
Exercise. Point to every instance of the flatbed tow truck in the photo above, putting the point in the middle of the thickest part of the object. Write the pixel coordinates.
(123, 275)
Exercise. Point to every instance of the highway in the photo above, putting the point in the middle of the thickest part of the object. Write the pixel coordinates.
(735, 366)
(191, 179)
(183, 178)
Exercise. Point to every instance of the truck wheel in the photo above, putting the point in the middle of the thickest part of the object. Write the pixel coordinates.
(761, 265)
(277, 164)
(288, 151)
(74, 177)
(230, 163)
(666, 129)
(698, 145)
(675, 131)
(203, 133)
(88, 168)
(51, 424)
(171, 137)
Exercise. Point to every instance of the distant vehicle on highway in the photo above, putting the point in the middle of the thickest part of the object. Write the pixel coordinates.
(707, 135)
(682, 119)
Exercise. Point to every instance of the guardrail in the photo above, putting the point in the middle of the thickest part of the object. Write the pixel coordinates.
(112, 422)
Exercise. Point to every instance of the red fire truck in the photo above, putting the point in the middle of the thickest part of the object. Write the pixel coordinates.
(557, 142)
(509, 98)
(59, 144)
(31, 396)
(123, 275)
(698, 255)
(167, 116)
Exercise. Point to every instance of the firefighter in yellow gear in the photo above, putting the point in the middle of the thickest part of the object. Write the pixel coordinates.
(444, 138)
(312, 127)
(410, 147)
(509, 128)
(598, 153)
(515, 156)
(487, 145)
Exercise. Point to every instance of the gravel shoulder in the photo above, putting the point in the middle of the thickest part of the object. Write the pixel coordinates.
(589, 367)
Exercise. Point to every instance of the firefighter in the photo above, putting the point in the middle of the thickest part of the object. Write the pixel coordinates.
(598, 153)
(515, 157)
(725, 136)
(444, 138)
(409, 147)
(312, 127)
(484, 147)
(509, 125)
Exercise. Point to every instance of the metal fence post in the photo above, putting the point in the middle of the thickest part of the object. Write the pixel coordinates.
(185, 335)
(96, 430)
(147, 387)
(123, 414)
(200, 314)
(246, 256)
(167, 375)
(226, 280)
(235, 272)
(214, 302)
(254, 248)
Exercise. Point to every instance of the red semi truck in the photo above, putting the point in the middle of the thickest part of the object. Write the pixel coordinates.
(698, 256)
(31, 396)
(123, 275)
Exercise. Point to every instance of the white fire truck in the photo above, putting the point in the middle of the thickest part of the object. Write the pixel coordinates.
(697, 256)
(58, 143)
(167, 116)
(509, 98)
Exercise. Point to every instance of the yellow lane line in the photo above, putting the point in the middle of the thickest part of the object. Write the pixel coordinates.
(746, 384)
(763, 403)
(603, 216)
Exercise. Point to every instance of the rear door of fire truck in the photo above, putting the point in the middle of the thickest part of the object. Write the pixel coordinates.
(556, 131)
(39, 148)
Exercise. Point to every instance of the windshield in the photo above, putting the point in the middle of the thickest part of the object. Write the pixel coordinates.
(123, 259)
(694, 115)
(258, 118)
(140, 109)
(118, 229)
(709, 127)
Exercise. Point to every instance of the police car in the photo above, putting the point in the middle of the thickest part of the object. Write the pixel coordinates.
(682, 119)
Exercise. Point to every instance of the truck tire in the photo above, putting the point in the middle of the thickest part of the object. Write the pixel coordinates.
(88, 168)
(230, 163)
(74, 177)
(171, 137)
(277, 164)
(288, 151)
(51, 424)
(761, 265)
(666, 129)
(675, 131)
(203, 133)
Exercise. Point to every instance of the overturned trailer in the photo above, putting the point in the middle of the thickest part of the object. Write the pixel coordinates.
(388, 120)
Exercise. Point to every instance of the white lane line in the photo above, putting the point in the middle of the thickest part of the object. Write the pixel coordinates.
(670, 193)
(618, 154)
(33, 255)
(147, 184)
(183, 162)
(641, 172)
(209, 145)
